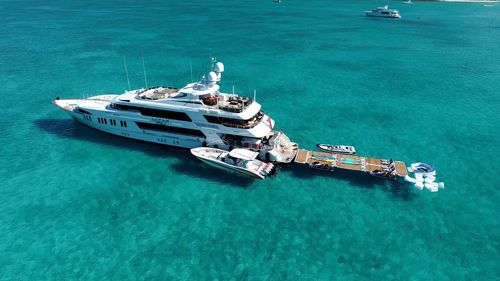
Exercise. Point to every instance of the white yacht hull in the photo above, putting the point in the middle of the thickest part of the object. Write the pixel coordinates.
(377, 15)
(134, 132)
(169, 140)
(96, 114)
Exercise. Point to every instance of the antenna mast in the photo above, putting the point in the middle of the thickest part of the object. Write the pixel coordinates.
(191, 68)
(254, 95)
(126, 71)
(144, 69)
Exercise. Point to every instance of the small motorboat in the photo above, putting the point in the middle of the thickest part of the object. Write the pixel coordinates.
(383, 12)
(321, 166)
(241, 161)
(345, 149)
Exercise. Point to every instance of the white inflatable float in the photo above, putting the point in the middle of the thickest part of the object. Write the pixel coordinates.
(425, 176)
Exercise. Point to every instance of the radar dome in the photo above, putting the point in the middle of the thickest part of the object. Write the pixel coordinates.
(212, 77)
(219, 67)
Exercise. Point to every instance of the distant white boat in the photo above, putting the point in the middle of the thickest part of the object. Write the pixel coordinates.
(383, 12)
(408, 2)
(239, 160)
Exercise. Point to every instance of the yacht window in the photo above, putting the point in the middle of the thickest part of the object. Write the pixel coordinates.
(239, 123)
(79, 110)
(156, 112)
(169, 129)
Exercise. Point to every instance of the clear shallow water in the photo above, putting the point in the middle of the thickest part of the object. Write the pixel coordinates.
(79, 204)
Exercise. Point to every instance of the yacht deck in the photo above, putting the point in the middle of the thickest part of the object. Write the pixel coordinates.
(349, 162)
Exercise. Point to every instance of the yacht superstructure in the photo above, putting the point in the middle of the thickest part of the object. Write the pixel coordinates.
(195, 115)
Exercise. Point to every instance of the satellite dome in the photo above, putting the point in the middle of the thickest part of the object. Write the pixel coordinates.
(212, 77)
(219, 67)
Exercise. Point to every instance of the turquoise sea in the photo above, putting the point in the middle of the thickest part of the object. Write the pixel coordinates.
(80, 204)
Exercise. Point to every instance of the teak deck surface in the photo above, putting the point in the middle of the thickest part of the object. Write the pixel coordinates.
(348, 162)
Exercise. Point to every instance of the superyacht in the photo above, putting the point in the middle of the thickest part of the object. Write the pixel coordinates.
(195, 115)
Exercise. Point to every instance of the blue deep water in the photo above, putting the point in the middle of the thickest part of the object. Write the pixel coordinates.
(80, 204)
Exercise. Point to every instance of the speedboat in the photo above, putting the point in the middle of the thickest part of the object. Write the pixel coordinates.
(345, 149)
(238, 160)
(383, 12)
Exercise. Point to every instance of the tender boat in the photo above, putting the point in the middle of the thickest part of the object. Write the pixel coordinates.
(239, 160)
(383, 12)
(345, 149)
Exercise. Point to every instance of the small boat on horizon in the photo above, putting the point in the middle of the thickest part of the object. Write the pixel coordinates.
(345, 149)
(239, 160)
(383, 12)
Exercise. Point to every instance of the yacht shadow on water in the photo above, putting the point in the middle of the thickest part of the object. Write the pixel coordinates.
(186, 164)
(396, 189)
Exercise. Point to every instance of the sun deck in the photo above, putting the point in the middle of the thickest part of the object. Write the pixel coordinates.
(349, 162)
(159, 93)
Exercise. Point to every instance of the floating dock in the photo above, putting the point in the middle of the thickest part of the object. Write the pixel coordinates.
(350, 162)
